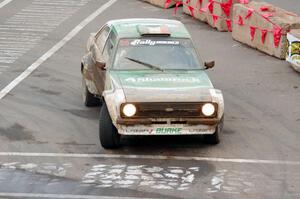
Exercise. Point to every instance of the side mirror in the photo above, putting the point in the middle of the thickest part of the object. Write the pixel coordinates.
(101, 65)
(209, 65)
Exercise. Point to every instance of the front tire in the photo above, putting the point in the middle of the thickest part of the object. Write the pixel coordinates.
(214, 139)
(89, 99)
(108, 133)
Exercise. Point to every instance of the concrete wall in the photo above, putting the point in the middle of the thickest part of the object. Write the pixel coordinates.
(281, 18)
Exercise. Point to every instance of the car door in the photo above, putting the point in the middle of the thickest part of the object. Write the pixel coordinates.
(97, 49)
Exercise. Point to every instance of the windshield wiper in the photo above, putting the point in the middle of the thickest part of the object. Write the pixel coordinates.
(145, 64)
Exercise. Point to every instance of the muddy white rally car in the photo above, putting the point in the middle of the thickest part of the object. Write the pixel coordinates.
(150, 80)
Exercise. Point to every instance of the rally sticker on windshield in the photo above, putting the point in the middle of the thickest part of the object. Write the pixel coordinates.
(150, 42)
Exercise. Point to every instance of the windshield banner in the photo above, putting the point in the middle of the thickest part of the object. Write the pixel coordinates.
(150, 42)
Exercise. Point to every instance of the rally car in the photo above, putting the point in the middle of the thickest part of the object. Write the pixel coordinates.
(149, 79)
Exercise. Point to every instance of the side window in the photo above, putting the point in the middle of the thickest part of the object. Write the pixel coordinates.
(108, 48)
(101, 38)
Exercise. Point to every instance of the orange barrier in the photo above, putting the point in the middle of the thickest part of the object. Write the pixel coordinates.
(217, 13)
(257, 24)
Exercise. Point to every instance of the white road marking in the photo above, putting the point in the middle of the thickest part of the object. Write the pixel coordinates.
(152, 157)
(28, 27)
(4, 3)
(43, 168)
(54, 49)
(134, 176)
(66, 196)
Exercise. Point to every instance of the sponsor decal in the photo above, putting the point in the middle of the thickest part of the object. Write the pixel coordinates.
(150, 42)
(168, 130)
(162, 79)
(197, 130)
(293, 50)
(138, 131)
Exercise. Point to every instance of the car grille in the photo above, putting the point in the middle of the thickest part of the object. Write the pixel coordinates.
(170, 110)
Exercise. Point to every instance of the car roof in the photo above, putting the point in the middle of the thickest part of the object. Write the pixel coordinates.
(129, 28)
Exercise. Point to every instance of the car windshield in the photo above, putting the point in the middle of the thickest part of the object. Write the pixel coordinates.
(156, 54)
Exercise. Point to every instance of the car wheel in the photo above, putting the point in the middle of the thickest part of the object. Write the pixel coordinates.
(215, 138)
(88, 98)
(108, 133)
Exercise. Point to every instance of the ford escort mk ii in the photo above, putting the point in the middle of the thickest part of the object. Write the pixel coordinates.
(149, 79)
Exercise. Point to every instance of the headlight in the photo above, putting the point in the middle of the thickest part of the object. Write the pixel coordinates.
(129, 110)
(208, 109)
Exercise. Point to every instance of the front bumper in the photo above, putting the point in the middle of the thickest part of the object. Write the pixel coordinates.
(166, 130)
(149, 127)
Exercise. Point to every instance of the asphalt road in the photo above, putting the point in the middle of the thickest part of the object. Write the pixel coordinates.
(49, 146)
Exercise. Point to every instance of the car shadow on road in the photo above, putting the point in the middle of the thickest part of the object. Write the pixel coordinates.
(160, 143)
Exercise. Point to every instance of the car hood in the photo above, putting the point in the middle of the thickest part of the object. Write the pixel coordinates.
(167, 86)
